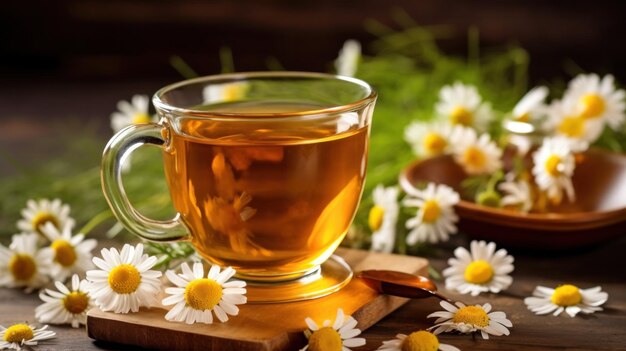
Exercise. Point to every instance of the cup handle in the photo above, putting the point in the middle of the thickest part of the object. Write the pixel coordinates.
(119, 147)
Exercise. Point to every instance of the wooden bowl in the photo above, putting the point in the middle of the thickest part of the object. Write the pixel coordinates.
(598, 214)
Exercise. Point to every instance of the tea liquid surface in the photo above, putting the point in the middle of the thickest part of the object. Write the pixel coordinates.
(270, 197)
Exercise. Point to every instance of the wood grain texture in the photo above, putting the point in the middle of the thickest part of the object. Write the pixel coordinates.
(266, 327)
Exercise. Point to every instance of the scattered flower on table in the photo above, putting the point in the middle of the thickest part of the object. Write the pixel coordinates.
(470, 319)
(563, 121)
(568, 298)
(461, 104)
(133, 112)
(196, 297)
(383, 217)
(483, 269)
(340, 335)
(553, 168)
(517, 194)
(435, 219)
(348, 60)
(531, 106)
(429, 139)
(37, 213)
(476, 154)
(225, 92)
(23, 264)
(67, 253)
(124, 281)
(19, 335)
(421, 340)
(596, 98)
(65, 306)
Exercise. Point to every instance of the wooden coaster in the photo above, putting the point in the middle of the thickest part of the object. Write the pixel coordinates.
(271, 327)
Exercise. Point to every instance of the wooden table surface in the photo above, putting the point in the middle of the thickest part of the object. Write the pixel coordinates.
(604, 330)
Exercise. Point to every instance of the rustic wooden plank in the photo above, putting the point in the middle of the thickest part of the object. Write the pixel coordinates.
(271, 327)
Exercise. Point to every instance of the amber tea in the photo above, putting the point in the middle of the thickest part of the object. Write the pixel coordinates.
(266, 202)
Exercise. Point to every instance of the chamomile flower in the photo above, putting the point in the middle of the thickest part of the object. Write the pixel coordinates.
(564, 122)
(568, 298)
(124, 281)
(225, 92)
(596, 98)
(530, 107)
(383, 217)
(428, 139)
(417, 341)
(22, 264)
(18, 335)
(553, 168)
(133, 112)
(68, 253)
(197, 298)
(482, 269)
(476, 154)
(470, 319)
(460, 104)
(65, 306)
(38, 213)
(435, 219)
(347, 62)
(517, 194)
(338, 336)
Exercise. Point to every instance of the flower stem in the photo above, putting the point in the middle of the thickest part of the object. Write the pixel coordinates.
(95, 221)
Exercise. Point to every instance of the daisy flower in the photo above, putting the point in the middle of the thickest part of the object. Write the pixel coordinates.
(38, 213)
(18, 335)
(564, 122)
(133, 112)
(470, 319)
(124, 281)
(477, 155)
(22, 264)
(480, 270)
(348, 59)
(435, 219)
(68, 254)
(65, 306)
(225, 92)
(197, 297)
(338, 336)
(428, 139)
(596, 98)
(416, 341)
(517, 194)
(461, 104)
(568, 298)
(531, 106)
(553, 168)
(383, 217)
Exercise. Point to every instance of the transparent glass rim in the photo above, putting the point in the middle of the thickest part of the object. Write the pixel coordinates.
(243, 76)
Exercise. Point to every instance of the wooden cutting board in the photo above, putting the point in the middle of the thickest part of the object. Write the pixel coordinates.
(271, 327)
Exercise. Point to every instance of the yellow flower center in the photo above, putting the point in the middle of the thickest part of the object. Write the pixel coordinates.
(573, 127)
(593, 106)
(478, 272)
(566, 295)
(432, 211)
(203, 294)
(474, 157)
(375, 219)
(461, 116)
(434, 143)
(553, 165)
(233, 92)
(325, 339)
(124, 279)
(141, 118)
(76, 302)
(22, 267)
(420, 341)
(64, 252)
(523, 118)
(42, 218)
(473, 315)
(18, 333)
